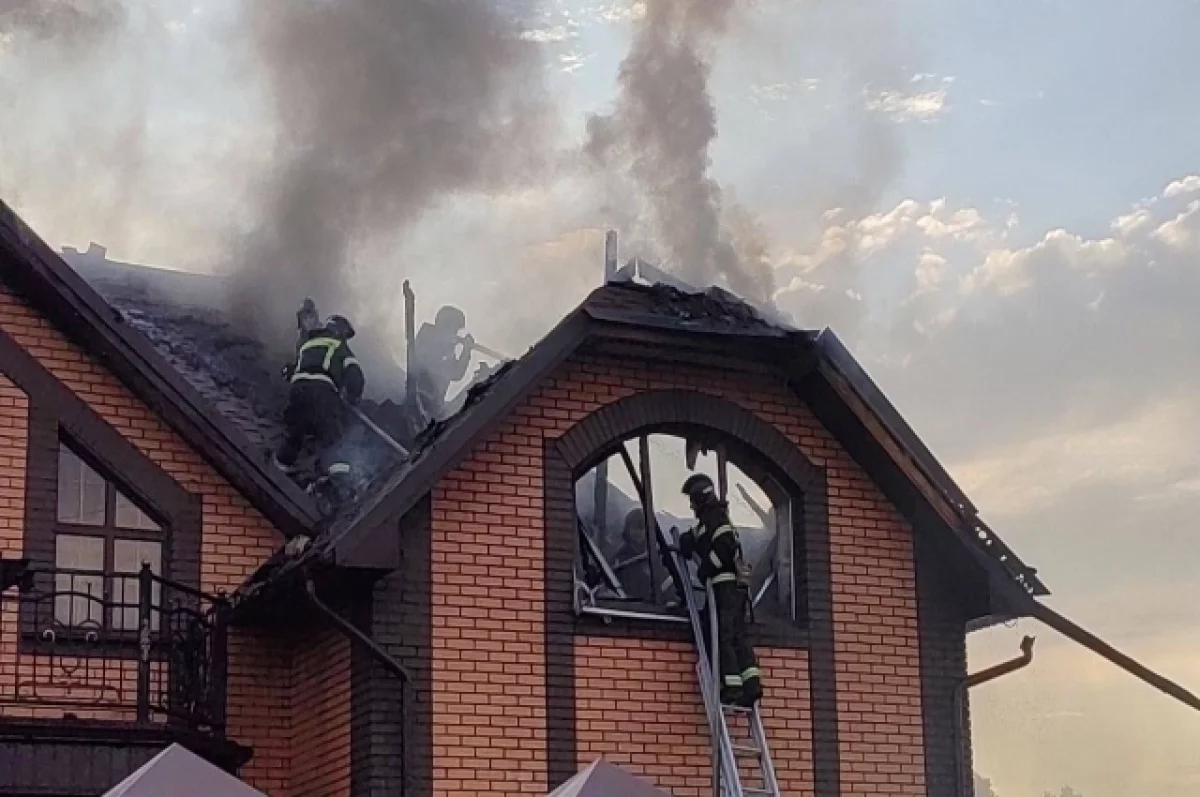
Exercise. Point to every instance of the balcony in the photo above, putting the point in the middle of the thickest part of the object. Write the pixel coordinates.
(92, 649)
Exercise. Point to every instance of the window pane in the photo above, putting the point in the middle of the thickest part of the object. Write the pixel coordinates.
(129, 516)
(80, 490)
(128, 556)
(79, 591)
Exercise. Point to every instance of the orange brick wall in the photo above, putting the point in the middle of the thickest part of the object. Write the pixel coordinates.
(637, 707)
(488, 596)
(236, 537)
(320, 716)
(14, 421)
(875, 645)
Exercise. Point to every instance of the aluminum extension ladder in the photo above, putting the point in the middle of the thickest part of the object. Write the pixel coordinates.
(732, 757)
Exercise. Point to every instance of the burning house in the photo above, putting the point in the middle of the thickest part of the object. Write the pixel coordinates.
(493, 613)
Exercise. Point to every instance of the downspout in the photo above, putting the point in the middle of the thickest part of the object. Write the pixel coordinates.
(355, 635)
(382, 656)
(960, 691)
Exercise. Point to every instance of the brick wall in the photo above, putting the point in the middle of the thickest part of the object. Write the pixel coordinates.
(236, 537)
(320, 715)
(14, 413)
(489, 602)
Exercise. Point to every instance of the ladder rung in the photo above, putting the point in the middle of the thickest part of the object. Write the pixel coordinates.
(757, 791)
(746, 750)
(735, 709)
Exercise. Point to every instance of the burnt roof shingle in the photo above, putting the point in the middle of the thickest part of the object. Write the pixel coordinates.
(41, 277)
(180, 314)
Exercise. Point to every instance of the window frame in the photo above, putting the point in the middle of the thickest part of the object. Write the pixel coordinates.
(776, 629)
(55, 411)
(111, 533)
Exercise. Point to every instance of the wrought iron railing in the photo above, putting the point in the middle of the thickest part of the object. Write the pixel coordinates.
(132, 647)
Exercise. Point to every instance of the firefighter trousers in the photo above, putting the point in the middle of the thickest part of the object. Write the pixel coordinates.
(739, 666)
(313, 415)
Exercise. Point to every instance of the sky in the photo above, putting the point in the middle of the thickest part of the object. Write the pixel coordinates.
(995, 205)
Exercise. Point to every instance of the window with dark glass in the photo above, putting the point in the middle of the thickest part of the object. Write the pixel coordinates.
(101, 539)
(620, 500)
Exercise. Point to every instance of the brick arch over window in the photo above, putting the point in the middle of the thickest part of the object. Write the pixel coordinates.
(757, 448)
(597, 436)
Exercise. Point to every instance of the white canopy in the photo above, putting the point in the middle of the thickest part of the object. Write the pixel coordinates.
(178, 772)
(602, 779)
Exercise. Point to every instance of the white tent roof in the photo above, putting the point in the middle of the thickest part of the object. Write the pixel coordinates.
(178, 772)
(602, 779)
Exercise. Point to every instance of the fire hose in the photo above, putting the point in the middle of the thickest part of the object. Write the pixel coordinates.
(485, 351)
(374, 427)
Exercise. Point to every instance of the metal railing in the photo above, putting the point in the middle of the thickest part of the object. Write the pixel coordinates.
(132, 647)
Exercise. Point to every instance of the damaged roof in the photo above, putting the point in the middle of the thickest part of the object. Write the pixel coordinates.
(181, 315)
(146, 353)
(628, 314)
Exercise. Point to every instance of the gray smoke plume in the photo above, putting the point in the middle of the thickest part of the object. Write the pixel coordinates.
(69, 21)
(384, 108)
(660, 134)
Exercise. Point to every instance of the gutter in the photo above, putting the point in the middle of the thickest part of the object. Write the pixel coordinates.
(355, 635)
(1098, 646)
(960, 692)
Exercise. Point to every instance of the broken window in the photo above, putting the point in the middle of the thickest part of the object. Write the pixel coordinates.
(101, 540)
(618, 569)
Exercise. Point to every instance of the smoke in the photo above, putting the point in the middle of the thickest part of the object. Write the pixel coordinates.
(65, 21)
(660, 135)
(384, 109)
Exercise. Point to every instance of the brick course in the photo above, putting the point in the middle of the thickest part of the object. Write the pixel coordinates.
(489, 602)
(14, 419)
(236, 539)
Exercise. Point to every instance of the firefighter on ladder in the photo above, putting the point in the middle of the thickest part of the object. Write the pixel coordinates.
(325, 370)
(715, 544)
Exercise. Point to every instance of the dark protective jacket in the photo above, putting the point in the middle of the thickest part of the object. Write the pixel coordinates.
(326, 359)
(715, 543)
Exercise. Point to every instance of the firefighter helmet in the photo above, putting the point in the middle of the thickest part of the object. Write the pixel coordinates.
(451, 318)
(699, 488)
(339, 326)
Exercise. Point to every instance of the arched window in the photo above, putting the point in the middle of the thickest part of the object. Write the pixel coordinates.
(621, 498)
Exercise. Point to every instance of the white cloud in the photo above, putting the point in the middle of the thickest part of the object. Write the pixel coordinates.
(962, 224)
(899, 107)
(621, 11)
(1008, 271)
(1185, 185)
(573, 61)
(1132, 223)
(1183, 231)
(931, 270)
(551, 35)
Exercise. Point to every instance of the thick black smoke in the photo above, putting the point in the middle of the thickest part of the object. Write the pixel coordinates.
(384, 108)
(660, 134)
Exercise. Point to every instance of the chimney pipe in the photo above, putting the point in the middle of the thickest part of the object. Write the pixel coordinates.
(610, 256)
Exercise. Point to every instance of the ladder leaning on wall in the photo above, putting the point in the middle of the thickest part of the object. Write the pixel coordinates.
(742, 766)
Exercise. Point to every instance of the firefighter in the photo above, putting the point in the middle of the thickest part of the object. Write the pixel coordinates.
(325, 372)
(715, 544)
(440, 362)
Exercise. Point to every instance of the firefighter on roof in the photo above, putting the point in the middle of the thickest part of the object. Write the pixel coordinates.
(715, 545)
(325, 372)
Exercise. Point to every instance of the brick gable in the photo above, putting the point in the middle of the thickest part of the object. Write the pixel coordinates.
(272, 683)
(634, 700)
